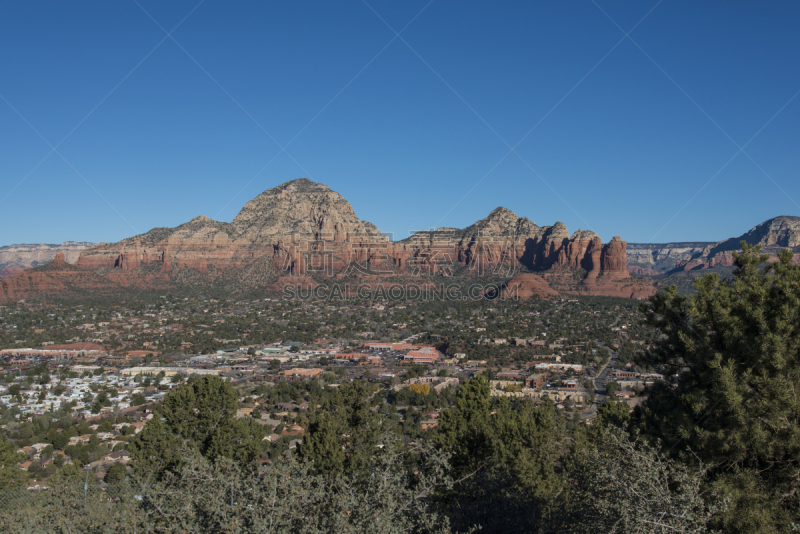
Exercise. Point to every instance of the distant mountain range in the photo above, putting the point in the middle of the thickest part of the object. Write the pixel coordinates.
(17, 258)
(655, 259)
(301, 231)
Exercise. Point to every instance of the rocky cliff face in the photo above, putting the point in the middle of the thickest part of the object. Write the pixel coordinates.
(284, 223)
(651, 259)
(504, 238)
(773, 235)
(17, 258)
(302, 228)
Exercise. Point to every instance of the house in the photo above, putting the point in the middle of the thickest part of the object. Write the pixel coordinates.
(428, 424)
(510, 375)
(80, 439)
(569, 384)
(535, 381)
(119, 456)
(138, 427)
(269, 422)
(244, 412)
(423, 355)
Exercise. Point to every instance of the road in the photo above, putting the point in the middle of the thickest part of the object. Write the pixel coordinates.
(601, 380)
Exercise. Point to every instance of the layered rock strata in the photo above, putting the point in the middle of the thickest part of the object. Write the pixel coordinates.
(303, 229)
(772, 235)
(17, 258)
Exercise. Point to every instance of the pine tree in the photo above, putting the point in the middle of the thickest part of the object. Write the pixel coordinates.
(322, 445)
(200, 415)
(506, 456)
(11, 475)
(732, 356)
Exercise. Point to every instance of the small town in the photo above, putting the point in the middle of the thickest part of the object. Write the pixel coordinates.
(399, 267)
(105, 371)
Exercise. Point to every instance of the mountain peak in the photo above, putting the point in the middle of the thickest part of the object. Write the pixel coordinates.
(301, 185)
(583, 235)
(782, 231)
(300, 207)
(500, 211)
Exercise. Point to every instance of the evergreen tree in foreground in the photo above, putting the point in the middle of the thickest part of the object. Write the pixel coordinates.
(732, 398)
(198, 416)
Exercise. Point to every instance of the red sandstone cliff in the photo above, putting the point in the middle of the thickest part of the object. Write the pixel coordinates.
(303, 229)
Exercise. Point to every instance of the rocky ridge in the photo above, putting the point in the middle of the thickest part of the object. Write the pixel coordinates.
(17, 258)
(651, 259)
(303, 229)
(773, 235)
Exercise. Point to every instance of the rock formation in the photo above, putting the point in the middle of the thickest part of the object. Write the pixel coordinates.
(504, 239)
(527, 285)
(772, 235)
(303, 229)
(17, 258)
(651, 259)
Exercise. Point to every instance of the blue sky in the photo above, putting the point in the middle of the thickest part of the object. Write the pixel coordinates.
(635, 136)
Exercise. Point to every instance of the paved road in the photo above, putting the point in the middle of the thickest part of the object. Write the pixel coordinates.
(601, 381)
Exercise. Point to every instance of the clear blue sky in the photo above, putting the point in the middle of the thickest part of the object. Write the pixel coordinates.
(612, 134)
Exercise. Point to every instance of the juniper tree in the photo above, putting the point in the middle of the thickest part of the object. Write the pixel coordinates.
(732, 356)
(11, 475)
(505, 458)
(620, 485)
(200, 416)
(344, 433)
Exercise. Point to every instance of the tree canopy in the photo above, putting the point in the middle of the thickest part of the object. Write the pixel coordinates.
(200, 415)
(732, 356)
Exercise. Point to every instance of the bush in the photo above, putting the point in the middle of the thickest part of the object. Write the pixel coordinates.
(620, 485)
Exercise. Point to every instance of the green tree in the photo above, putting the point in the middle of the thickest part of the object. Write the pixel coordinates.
(612, 414)
(511, 452)
(732, 355)
(59, 440)
(197, 416)
(322, 444)
(105, 426)
(11, 475)
(347, 422)
(116, 473)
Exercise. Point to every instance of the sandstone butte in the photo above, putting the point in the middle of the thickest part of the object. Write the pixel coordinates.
(303, 231)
